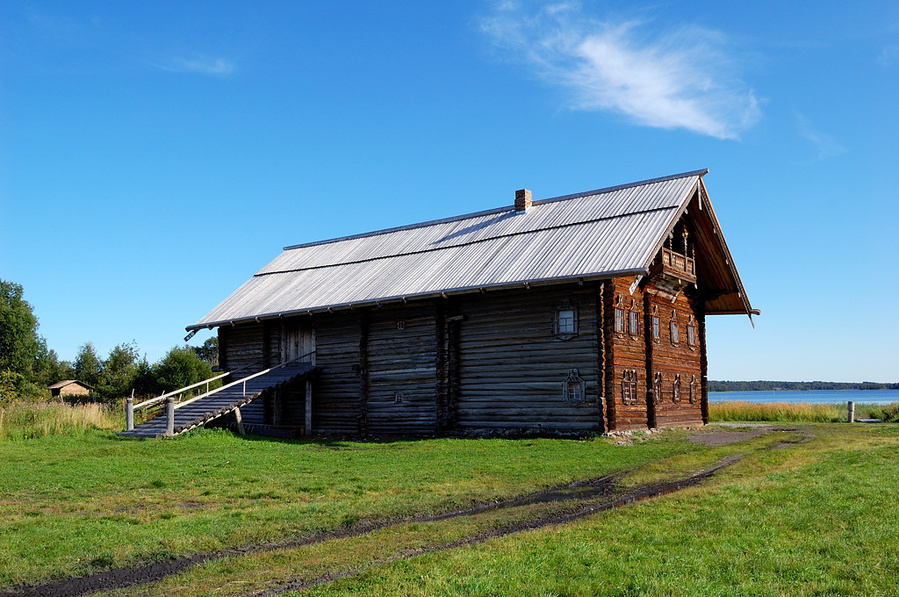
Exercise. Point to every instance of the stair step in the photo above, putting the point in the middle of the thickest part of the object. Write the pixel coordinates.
(221, 403)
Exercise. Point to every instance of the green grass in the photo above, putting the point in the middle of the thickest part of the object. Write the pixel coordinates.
(816, 519)
(70, 505)
(812, 518)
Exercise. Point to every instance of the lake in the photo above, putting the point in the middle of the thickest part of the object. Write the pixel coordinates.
(810, 396)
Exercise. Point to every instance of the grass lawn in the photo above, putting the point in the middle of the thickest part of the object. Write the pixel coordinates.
(815, 519)
(70, 505)
(813, 516)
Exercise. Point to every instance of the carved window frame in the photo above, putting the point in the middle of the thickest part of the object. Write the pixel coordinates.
(691, 333)
(619, 325)
(656, 325)
(675, 389)
(561, 330)
(629, 386)
(574, 388)
(674, 329)
(657, 386)
(633, 323)
(692, 389)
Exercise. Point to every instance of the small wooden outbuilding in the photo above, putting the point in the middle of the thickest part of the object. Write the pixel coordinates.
(70, 387)
(581, 313)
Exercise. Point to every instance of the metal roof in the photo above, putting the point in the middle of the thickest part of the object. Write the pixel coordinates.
(597, 234)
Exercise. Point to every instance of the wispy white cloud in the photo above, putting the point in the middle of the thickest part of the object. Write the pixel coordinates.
(825, 145)
(889, 56)
(679, 78)
(203, 65)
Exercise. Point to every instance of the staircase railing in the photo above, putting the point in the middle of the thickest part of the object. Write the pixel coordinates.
(169, 397)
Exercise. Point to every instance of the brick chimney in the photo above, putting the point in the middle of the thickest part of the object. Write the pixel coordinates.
(522, 200)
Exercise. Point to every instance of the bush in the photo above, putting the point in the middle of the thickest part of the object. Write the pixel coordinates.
(14, 387)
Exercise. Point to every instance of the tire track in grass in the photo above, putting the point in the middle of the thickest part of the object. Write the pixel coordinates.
(617, 499)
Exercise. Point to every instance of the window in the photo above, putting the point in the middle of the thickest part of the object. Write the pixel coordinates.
(656, 328)
(691, 335)
(633, 323)
(573, 388)
(574, 392)
(658, 387)
(565, 323)
(675, 395)
(692, 389)
(675, 338)
(629, 387)
(619, 320)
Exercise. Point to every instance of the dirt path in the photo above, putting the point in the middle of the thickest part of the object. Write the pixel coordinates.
(582, 498)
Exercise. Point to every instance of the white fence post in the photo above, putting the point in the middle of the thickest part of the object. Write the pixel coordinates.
(170, 416)
(129, 412)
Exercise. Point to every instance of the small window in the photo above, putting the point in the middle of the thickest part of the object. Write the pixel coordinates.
(619, 321)
(656, 328)
(692, 389)
(574, 392)
(675, 337)
(658, 387)
(691, 335)
(573, 388)
(629, 387)
(675, 395)
(566, 321)
(633, 323)
(565, 325)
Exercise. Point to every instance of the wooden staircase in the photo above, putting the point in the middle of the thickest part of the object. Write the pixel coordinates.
(216, 403)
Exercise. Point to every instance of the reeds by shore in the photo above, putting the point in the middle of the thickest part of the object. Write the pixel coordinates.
(797, 412)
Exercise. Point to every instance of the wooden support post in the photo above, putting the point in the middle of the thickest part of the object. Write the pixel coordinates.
(239, 420)
(703, 370)
(129, 412)
(850, 412)
(363, 372)
(308, 429)
(602, 398)
(608, 292)
(651, 398)
(170, 416)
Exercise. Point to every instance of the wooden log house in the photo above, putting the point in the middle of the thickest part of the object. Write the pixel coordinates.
(582, 313)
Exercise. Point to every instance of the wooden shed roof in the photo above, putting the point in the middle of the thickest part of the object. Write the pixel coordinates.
(68, 382)
(587, 236)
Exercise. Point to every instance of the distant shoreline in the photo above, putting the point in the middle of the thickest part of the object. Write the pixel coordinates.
(795, 386)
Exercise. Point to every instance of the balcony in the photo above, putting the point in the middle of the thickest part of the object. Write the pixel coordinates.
(677, 266)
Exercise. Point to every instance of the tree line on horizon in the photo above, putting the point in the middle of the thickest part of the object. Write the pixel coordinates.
(773, 386)
(28, 366)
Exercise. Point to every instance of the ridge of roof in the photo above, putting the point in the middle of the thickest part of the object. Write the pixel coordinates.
(457, 246)
(498, 210)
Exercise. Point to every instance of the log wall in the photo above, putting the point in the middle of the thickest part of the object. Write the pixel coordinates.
(490, 360)
(627, 353)
(513, 365)
(241, 348)
(337, 390)
(402, 370)
(670, 359)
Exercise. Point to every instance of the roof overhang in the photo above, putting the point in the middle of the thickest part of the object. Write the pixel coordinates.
(394, 300)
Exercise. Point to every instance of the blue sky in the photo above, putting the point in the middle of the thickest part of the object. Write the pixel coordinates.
(153, 157)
